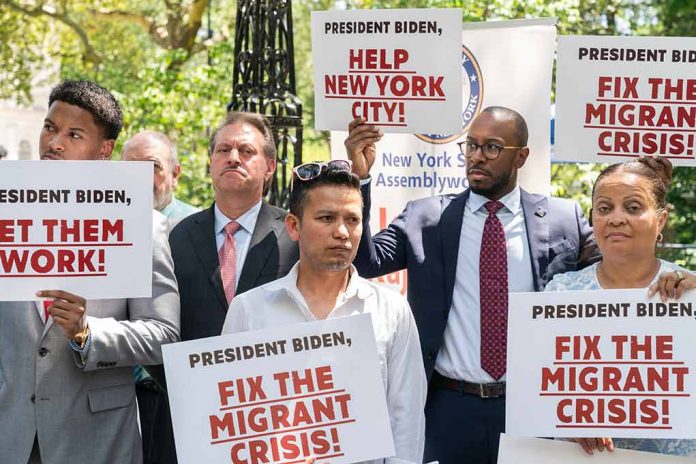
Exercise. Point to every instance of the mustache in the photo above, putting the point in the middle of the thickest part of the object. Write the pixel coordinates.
(51, 154)
(478, 168)
(235, 169)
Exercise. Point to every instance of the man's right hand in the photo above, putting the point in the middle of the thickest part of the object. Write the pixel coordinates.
(361, 146)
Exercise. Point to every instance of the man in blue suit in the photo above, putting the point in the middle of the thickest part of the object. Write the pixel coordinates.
(464, 253)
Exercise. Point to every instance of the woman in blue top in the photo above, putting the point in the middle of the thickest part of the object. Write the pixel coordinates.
(629, 211)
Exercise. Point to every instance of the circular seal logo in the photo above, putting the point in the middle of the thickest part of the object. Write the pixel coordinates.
(472, 98)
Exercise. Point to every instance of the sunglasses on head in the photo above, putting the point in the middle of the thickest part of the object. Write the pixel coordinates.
(309, 171)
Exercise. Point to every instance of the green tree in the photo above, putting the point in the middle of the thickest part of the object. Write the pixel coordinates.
(172, 69)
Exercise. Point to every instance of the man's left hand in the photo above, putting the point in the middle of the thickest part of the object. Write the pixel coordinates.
(68, 311)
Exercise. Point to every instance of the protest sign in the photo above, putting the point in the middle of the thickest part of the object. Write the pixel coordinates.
(622, 97)
(280, 394)
(494, 60)
(80, 226)
(601, 363)
(397, 69)
(523, 450)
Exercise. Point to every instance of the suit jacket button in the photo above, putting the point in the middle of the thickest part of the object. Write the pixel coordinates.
(431, 355)
(43, 351)
(33, 398)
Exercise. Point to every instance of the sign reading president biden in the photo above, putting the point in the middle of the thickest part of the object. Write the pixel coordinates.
(624, 97)
(396, 69)
(601, 363)
(79, 226)
(280, 395)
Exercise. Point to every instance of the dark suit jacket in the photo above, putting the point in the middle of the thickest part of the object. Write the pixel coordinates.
(424, 239)
(203, 305)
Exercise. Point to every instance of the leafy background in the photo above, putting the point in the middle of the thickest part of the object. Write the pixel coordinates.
(170, 65)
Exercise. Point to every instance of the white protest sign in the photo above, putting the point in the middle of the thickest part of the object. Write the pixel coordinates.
(494, 60)
(601, 363)
(80, 226)
(397, 69)
(523, 450)
(622, 97)
(280, 394)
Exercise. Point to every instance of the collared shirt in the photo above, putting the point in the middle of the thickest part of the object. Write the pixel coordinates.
(280, 303)
(177, 210)
(460, 355)
(247, 222)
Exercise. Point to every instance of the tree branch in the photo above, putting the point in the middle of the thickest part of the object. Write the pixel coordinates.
(90, 54)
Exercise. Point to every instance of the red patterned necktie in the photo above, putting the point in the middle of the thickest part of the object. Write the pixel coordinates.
(228, 260)
(493, 275)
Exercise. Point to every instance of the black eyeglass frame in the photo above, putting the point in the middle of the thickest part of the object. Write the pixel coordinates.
(479, 146)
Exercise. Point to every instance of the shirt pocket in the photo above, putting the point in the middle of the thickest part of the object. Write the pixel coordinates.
(108, 398)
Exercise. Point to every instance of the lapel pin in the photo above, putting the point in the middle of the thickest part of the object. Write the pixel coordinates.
(540, 212)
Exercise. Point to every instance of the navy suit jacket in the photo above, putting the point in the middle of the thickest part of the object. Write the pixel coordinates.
(424, 240)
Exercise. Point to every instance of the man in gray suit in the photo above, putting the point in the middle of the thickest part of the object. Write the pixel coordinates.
(463, 253)
(212, 265)
(66, 385)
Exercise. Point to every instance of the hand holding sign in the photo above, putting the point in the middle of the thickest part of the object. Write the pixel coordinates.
(361, 146)
(68, 311)
(589, 444)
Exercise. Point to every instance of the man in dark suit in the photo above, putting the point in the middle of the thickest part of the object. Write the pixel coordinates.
(463, 254)
(212, 262)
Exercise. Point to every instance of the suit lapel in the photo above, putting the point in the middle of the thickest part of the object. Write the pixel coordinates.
(202, 236)
(39, 314)
(535, 208)
(259, 248)
(451, 227)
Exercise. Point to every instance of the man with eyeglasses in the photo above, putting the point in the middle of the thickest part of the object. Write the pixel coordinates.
(235, 245)
(464, 253)
(326, 221)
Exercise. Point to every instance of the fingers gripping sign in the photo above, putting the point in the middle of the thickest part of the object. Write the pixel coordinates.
(361, 146)
(673, 284)
(69, 312)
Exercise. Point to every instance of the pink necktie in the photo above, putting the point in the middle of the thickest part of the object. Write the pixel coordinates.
(493, 275)
(228, 260)
(47, 304)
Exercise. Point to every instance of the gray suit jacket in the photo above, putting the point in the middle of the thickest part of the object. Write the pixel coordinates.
(424, 239)
(83, 413)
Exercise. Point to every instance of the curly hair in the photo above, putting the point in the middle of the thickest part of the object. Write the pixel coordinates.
(95, 99)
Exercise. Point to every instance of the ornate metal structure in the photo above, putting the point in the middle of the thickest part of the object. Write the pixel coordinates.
(264, 81)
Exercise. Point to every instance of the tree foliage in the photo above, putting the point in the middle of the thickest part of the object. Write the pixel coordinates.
(170, 64)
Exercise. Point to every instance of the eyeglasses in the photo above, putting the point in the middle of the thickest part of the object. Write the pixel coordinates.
(489, 150)
(309, 171)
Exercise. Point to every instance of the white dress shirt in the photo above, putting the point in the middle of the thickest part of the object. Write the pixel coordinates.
(281, 303)
(460, 355)
(247, 222)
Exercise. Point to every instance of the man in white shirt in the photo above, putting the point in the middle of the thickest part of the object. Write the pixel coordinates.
(326, 220)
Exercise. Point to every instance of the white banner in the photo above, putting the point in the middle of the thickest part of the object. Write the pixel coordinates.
(601, 363)
(522, 450)
(622, 97)
(379, 65)
(279, 395)
(80, 226)
(495, 62)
